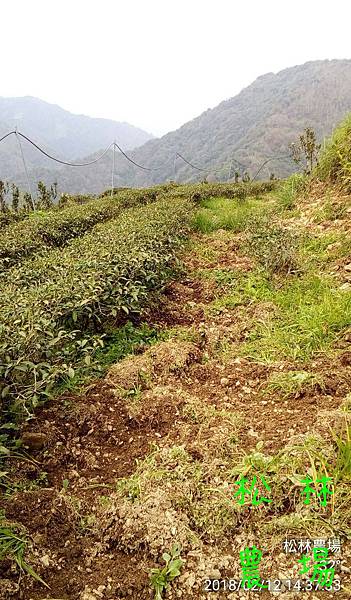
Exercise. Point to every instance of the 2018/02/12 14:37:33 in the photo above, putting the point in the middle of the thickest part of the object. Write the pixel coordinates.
(272, 585)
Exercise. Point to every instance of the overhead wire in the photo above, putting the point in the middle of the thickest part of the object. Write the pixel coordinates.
(269, 160)
(141, 166)
(131, 160)
(7, 135)
(209, 170)
(64, 162)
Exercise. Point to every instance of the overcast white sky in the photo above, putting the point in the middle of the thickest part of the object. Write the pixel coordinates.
(159, 63)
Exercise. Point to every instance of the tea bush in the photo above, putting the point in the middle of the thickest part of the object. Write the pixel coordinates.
(55, 228)
(54, 309)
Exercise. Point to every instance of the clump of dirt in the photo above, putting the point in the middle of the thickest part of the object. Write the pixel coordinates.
(151, 526)
(159, 362)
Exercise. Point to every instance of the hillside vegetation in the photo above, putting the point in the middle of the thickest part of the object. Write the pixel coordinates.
(220, 393)
(258, 123)
(335, 161)
(59, 132)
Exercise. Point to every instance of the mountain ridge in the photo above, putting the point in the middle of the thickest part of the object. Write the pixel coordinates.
(238, 134)
(63, 134)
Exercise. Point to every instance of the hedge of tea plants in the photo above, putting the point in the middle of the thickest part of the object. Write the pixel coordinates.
(54, 228)
(55, 308)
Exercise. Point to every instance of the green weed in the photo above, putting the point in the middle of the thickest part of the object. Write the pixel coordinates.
(343, 456)
(14, 545)
(293, 382)
(311, 315)
(330, 211)
(273, 247)
(335, 159)
(221, 213)
(240, 289)
(289, 191)
(161, 578)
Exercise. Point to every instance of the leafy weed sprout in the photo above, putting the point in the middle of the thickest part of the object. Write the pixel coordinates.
(161, 578)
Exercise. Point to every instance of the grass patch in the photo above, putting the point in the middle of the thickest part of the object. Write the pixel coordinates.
(221, 213)
(117, 344)
(13, 545)
(241, 289)
(310, 318)
(318, 251)
(293, 383)
(330, 211)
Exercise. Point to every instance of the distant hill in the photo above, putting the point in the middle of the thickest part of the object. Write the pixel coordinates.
(64, 134)
(261, 121)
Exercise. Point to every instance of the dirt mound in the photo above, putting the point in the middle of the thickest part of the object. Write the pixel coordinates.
(158, 362)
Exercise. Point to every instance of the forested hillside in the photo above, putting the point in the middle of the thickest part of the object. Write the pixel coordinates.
(258, 123)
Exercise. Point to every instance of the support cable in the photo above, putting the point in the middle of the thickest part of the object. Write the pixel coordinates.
(269, 160)
(63, 162)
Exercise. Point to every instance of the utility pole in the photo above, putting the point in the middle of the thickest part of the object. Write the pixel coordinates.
(113, 168)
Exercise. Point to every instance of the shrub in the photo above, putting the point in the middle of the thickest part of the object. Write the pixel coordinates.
(335, 159)
(273, 247)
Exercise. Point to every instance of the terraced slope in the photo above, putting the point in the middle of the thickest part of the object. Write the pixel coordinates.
(241, 369)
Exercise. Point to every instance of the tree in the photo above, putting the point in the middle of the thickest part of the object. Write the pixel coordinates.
(3, 191)
(28, 201)
(15, 197)
(307, 149)
(44, 196)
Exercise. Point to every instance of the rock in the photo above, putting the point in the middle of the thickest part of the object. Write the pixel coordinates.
(345, 287)
(88, 596)
(224, 381)
(345, 359)
(34, 441)
(191, 580)
(345, 569)
(45, 560)
(347, 267)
